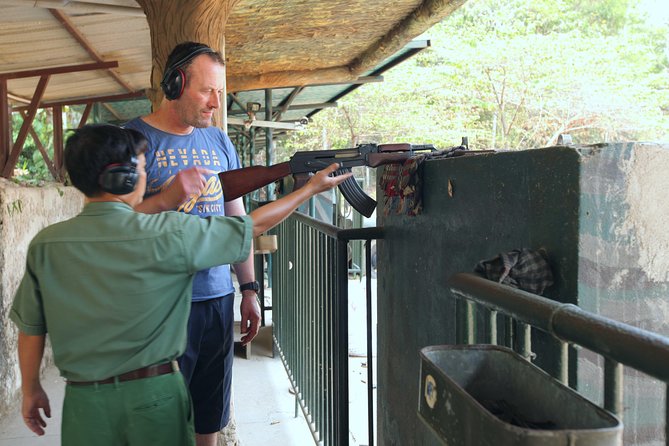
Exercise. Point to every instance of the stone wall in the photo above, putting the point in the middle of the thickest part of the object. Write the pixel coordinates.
(24, 211)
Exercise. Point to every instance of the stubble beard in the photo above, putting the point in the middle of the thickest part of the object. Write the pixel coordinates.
(194, 119)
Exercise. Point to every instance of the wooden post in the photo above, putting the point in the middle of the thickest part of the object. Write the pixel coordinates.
(13, 157)
(58, 142)
(5, 125)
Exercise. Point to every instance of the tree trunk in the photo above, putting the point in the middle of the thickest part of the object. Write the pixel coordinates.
(174, 21)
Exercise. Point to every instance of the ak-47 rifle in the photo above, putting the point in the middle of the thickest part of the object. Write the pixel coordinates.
(303, 164)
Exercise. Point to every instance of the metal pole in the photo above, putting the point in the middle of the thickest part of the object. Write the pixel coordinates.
(370, 370)
(341, 347)
(613, 387)
(492, 327)
(269, 140)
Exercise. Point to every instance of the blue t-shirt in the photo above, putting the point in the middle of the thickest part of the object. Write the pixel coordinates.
(166, 155)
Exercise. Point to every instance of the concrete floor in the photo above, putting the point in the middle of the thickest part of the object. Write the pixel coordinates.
(264, 408)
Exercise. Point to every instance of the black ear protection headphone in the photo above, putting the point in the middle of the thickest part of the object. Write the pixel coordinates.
(121, 178)
(174, 78)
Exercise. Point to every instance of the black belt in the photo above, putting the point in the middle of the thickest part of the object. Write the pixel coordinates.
(144, 372)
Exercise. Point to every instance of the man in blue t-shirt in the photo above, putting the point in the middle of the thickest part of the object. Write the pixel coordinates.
(183, 157)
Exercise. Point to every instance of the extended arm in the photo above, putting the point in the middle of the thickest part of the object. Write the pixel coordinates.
(271, 214)
(31, 349)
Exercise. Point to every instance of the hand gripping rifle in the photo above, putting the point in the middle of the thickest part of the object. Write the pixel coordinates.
(303, 164)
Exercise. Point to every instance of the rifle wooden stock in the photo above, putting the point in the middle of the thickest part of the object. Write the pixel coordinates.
(240, 182)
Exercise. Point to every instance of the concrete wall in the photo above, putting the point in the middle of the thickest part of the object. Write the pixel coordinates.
(23, 212)
(624, 265)
(569, 201)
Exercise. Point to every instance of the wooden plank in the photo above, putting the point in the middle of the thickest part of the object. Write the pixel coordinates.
(86, 45)
(86, 101)
(5, 127)
(8, 169)
(58, 160)
(86, 113)
(59, 70)
(41, 148)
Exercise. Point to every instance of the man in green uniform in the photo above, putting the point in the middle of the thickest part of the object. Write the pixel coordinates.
(112, 288)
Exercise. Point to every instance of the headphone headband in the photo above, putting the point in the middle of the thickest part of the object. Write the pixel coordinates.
(196, 52)
(174, 78)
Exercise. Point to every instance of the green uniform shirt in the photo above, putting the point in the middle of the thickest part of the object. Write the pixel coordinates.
(112, 286)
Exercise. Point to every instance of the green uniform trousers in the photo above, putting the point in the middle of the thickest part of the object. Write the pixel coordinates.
(142, 412)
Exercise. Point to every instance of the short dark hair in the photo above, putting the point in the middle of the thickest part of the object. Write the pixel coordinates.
(183, 54)
(93, 147)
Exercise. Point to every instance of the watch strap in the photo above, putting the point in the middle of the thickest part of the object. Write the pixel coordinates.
(252, 286)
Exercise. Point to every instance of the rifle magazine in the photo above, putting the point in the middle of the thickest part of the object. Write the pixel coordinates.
(356, 197)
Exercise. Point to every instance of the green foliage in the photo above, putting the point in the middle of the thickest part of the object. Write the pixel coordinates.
(515, 74)
(31, 166)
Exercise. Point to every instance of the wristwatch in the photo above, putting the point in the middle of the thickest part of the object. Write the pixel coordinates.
(253, 286)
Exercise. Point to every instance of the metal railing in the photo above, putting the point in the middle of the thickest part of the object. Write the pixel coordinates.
(310, 318)
(619, 344)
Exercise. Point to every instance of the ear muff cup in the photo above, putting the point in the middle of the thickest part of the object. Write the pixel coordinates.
(173, 84)
(120, 179)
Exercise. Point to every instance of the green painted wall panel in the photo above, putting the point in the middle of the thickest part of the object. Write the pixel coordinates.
(596, 210)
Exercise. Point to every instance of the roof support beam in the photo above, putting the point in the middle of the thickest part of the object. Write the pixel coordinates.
(16, 98)
(359, 81)
(58, 158)
(113, 111)
(319, 106)
(427, 14)
(79, 7)
(85, 114)
(289, 79)
(5, 125)
(85, 44)
(42, 149)
(59, 70)
(286, 103)
(86, 101)
(236, 100)
(265, 124)
(8, 169)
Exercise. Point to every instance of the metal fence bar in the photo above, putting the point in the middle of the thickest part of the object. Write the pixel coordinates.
(525, 340)
(613, 387)
(367, 234)
(563, 363)
(310, 310)
(666, 413)
(341, 395)
(620, 344)
(492, 327)
(370, 368)
(640, 349)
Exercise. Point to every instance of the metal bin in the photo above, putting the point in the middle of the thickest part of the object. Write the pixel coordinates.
(461, 386)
